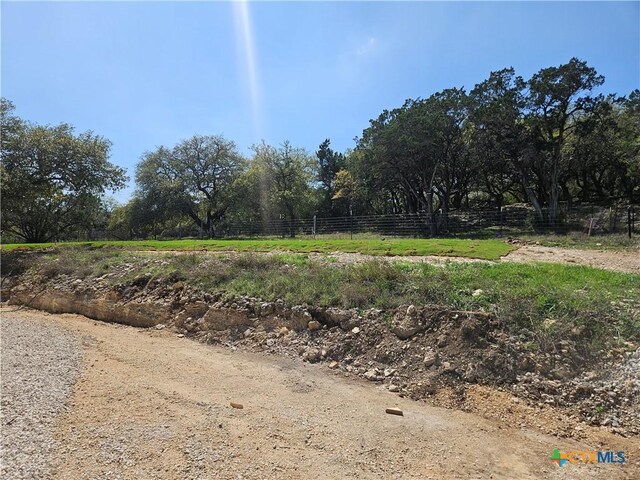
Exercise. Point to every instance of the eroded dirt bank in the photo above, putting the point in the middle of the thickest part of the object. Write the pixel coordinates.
(151, 404)
(445, 357)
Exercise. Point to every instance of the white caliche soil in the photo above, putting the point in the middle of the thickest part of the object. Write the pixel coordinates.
(150, 404)
(620, 261)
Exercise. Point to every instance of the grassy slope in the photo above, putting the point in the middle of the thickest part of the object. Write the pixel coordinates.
(522, 295)
(482, 249)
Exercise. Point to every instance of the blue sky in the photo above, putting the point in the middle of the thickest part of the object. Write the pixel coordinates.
(147, 74)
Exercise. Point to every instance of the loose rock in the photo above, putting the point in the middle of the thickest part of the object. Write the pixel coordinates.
(314, 325)
(394, 411)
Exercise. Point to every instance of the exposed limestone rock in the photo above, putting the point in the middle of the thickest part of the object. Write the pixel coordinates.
(406, 326)
(314, 325)
(99, 308)
(218, 318)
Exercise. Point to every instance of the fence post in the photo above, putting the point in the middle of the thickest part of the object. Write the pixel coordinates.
(629, 226)
(314, 227)
(612, 221)
(351, 220)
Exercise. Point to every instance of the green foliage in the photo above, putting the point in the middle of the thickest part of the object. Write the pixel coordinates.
(556, 98)
(418, 150)
(276, 186)
(194, 178)
(52, 180)
(330, 163)
(627, 143)
(497, 134)
(540, 141)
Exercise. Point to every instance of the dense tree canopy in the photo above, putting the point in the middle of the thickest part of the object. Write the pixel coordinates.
(193, 178)
(330, 163)
(541, 141)
(52, 179)
(277, 187)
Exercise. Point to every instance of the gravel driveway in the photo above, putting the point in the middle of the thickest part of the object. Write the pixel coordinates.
(151, 405)
(40, 364)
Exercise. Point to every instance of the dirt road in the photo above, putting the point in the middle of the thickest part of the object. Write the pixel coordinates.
(620, 261)
(149, 404)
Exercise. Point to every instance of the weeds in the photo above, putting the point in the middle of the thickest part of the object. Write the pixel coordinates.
(16, 263)
(604, 305)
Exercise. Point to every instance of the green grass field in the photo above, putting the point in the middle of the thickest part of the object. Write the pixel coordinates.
(480, 249)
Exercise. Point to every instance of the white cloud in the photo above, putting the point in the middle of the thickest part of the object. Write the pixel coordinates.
(367, 47)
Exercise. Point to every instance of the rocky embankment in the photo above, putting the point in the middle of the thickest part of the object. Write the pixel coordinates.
(413, 350)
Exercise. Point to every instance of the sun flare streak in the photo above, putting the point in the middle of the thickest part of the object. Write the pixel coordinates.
(245, 31)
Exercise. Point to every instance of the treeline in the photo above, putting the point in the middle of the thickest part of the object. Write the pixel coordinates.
(201, 184)
(545, 141)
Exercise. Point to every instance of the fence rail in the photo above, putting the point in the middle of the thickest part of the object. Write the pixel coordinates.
(503, 222)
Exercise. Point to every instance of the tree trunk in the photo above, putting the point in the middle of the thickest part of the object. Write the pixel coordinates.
(554, 201)
(554, 184)
(533, 199)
